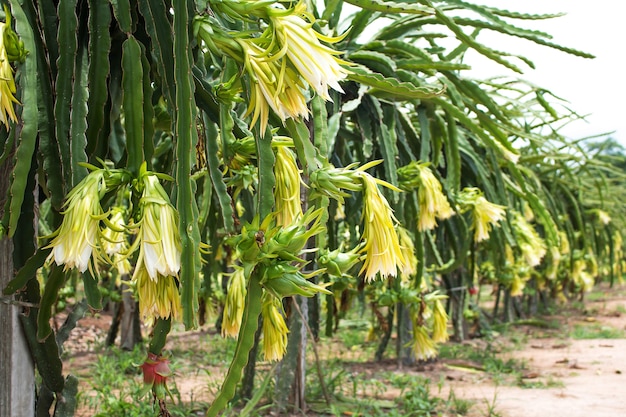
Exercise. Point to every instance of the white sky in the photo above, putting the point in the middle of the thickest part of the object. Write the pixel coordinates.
(594, 87)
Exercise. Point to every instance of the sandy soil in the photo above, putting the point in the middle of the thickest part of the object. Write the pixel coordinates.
(587, 380)
(578, 378)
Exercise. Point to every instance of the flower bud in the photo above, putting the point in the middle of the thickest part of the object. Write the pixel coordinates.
(274, 329)
(78, 235)
(338, 263)
(284, 280)
(423, 345)
(234, 304)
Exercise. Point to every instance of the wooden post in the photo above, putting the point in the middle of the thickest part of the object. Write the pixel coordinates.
(17, 372)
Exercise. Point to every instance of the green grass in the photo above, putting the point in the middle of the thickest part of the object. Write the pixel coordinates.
(117, 384)
(541, 383)
(595, 331)
(488, 357)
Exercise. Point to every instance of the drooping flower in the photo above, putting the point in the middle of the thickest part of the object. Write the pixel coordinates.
(518, 282)
(433, 204)
(603, 217)
(234, 304)
(553, 266)
(287, 189)
(158, 238)
(316, 63)
(78, 236)
(408, 253)
(383, 254)
(274, 329)
(440, 322)
(273, 85)
(531, 244)
(114, 241)
(484, 213)
(423, 345)
(158, 298)
(7, 83)
(508, 154)
(114, 233)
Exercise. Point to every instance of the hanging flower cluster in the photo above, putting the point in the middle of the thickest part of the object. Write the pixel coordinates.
(531, 244)
(484, 213)
(381, 245)
(272, 251)
(282, 63)
(428, 317)
(433, 204)
(11, 50)
(89, 237)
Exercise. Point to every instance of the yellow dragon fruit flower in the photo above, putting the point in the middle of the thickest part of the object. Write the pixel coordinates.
(440, 322)
(603, 216)
(531, 244)
(553, 267)
(115, 243)
(287, 189)
(272, 86)
(114, 234)
(317, 64)
(158, 298)
(274, 329)
(7, 83)
(423, 345)
(433, 204)
(158, 237)
(408, 253)
(484, 213)
(518, 283)
(383, 254)
(234, 304)
(78, 235)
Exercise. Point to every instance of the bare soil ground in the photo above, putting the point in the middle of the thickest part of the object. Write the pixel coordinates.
(576, 368)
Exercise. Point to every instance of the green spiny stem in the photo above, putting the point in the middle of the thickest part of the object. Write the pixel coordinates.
(245, 341)
(159, 335)
(186, 138)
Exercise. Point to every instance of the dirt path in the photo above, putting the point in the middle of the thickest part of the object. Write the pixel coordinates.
(587, 379)
(564, 377)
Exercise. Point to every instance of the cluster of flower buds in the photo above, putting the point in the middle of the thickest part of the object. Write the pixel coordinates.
(272, 251)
